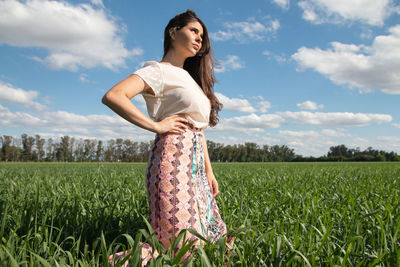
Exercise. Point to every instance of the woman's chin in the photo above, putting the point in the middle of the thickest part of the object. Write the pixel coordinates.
(194, 54)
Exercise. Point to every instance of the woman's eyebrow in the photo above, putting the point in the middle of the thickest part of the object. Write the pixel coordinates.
(197, 30)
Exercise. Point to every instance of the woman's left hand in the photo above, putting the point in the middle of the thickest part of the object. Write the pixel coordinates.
(212, 182)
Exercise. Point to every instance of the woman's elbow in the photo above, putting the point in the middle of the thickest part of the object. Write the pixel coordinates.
(106, 99)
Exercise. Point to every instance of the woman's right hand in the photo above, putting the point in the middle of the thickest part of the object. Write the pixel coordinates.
(174, 123)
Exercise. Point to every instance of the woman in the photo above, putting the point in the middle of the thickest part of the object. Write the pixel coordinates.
(180, 183)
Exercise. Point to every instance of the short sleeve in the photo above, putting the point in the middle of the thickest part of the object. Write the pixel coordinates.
(152, 75)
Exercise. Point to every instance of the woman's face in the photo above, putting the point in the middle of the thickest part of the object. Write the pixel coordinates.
(188, 40)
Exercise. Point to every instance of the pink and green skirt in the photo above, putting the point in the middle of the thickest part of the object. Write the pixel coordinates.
(178, 192)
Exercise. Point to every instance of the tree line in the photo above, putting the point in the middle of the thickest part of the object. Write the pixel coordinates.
(343, 153)
(70, 149)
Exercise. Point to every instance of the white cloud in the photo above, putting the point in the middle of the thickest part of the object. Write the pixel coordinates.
(74, 35)
(258, 138)
(97, 3)
(139, 98)
(19, 96)
(307, 143)
(313, 134)
(396, 125)
(387, 143)
(83, 78)
(372, 12)
(299, 134)
(362, 67)
(312, 142)
(310, 105)
(263, 139)
(336, 118)
(249, 123)
(245, 31)
(235, 104)
(67, 123)
(264, 106)
(315, 143)
(56, 119)
(258, 97)
(16, 119)
(232, 62)
(366, 34)
(279, 58)
(242, 104)
(140, 101)
(282, 3)
(335, 133)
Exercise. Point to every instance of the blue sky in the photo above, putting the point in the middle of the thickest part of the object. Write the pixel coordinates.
(308, 74)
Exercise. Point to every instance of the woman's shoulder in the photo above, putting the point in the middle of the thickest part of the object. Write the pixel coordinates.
(168, 71)
(150, 67)
(149, 63)
(152, 74)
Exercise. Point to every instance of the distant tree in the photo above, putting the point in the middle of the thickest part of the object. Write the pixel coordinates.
(242, 153)
(5, 147)
(215, 151)
(144, 149)
(211, 150)
(15, 149)
(63, 150)
(275, 153)
(79, 150)
(227, 154)
(28, 143)
(118, 149)
(1, 148)
(339, 152)
(39, 142)
(251, 151)
(99, 151)
(380, 157)
(35, 148)
(109, 152)
(392, 156)
(265, 155)
(287, 153)
(89, 149)
(71, 148)
(50, 151)
(130, 151)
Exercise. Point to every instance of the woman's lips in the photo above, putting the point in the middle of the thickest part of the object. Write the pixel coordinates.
(196, 46)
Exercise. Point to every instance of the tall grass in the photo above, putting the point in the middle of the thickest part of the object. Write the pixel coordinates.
(308, 214)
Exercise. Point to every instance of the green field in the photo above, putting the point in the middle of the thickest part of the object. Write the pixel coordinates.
(284, 214)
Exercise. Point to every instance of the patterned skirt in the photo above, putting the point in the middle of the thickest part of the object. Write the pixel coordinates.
(178, 192)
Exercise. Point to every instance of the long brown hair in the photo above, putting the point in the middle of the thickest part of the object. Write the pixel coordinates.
(201, 66)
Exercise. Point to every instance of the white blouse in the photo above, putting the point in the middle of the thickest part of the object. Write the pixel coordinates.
(175, 92)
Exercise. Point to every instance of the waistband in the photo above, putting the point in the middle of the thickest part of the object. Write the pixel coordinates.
(195, 130)
(191, 126)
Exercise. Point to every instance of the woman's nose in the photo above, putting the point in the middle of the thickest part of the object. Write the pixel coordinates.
(198, 39)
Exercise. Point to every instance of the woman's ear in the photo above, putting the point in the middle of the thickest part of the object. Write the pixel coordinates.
(172, 33)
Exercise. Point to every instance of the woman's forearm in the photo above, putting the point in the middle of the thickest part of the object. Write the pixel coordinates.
(209, 172)
(123, 106)
(207, 161)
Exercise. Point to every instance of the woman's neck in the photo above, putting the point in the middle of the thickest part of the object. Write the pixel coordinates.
(174, 59)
